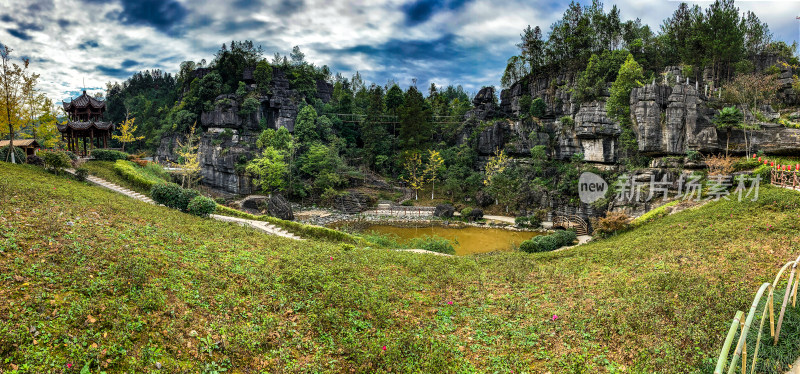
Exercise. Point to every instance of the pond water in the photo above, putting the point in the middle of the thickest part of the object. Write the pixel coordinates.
(466, 240)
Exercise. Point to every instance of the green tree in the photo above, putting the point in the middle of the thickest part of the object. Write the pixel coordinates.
(538, 107)
(373, 131)
(305, 128)
(415, 126)
(628, 77)
(263, 75)
(270, 170)
(727, 119)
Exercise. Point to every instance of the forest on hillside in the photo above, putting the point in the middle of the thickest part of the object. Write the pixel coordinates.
(608, 56)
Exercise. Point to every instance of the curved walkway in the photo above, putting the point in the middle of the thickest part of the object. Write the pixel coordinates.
(262, 226)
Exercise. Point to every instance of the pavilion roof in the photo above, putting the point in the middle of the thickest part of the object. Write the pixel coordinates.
(84, 101)
(75, 125)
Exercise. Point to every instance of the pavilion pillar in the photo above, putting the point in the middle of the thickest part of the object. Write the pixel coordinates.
(84, 145)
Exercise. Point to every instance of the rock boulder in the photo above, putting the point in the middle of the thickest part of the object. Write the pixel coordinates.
(279, 207)
(444, 211)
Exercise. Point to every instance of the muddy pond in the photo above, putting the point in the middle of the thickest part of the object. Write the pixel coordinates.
(466, 240)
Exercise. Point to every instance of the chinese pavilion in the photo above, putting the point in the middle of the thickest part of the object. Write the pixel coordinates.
(85, 114)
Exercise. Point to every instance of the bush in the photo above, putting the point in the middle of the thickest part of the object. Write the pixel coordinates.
(19, 154)
(434, 244)
(81, 173)
(528, 246)
(521, 221)
(610, 224)
(201, 206)
(187, 195)
(108, 155)
(167, 194)
(128, 170)
(55, 160)
(407, 203)
(536, 219)
(565, 237)
(465, 213)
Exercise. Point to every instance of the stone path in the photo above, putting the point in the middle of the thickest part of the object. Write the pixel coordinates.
(501, 219)
(265, 227)
(258, 225)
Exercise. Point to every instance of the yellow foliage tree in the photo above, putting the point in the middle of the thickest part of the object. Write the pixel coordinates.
(189, 159)
(14, 82)
(415, 174)
(126, 130)
(496, 165)
(435, 162)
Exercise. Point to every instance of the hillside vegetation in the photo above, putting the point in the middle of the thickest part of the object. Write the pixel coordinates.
(91, 279)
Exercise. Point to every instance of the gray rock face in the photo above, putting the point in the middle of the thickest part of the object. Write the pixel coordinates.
(222, 160)
(351, 203)
(254, 204)
(484, 105)
(672, 120)
(444, 211)
(166, 148)
(279, 207)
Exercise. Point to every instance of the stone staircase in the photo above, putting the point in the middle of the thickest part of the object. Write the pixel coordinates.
(262, 226)
(258, 225)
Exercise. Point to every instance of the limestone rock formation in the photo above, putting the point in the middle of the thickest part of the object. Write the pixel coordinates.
(223, 158)
(254, 204)
(279, 207)
(444, 211)
(352, 202)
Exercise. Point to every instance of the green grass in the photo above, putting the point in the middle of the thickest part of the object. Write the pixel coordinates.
(105, 170)
(127, 174)
(98, 280)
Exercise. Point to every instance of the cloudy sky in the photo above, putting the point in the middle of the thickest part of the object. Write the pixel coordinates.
(465, 42)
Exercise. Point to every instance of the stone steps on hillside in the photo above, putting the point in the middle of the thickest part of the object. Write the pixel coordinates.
(265, 227)
(258, 225)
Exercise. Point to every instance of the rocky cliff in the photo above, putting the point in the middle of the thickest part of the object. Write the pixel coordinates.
(669, 118)
(228, 139)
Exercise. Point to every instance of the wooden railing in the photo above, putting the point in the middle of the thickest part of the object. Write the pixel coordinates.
(785, 178)
(742, 325)
(571, 221)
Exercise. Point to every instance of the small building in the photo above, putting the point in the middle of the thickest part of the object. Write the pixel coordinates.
(29, 145)
(85, 123)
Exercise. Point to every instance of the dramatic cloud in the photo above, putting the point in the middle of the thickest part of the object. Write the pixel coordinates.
(76, 44)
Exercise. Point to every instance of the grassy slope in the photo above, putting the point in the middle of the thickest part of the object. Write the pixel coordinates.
(105, 170)
(107, 280)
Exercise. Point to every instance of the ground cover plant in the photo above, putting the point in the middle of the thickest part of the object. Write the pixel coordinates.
(92, 279)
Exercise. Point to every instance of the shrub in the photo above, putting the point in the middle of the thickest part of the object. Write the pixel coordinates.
(81, 173)
(167, 194)
(128, 170)
(187, 195)
(537, 217)
(565, 237)
(346, 247)
(528, 246)
(538, 107)
(55, 161)
(108, 155)
(201, 206)
(434, 244)
(466, 212)
(521, 221)
(407, 203)
(610, 224)
(19, 154)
